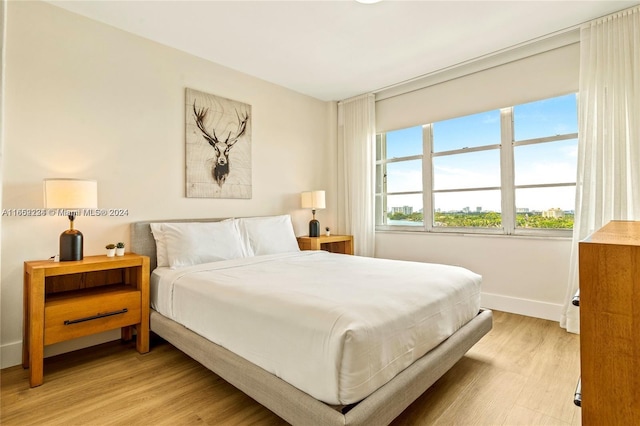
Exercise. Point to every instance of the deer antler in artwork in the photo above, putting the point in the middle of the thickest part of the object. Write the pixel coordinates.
(222, 148)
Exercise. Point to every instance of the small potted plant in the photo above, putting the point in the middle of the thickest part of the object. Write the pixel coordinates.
(120, 249)
(327, 231)
(111, 250)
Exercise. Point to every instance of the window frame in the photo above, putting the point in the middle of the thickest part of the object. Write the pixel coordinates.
(507, 187)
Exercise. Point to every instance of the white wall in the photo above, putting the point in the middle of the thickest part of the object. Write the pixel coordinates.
(86, 100)
(523, 275)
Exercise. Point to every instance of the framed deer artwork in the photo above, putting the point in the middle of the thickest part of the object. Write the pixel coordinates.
(218, 147)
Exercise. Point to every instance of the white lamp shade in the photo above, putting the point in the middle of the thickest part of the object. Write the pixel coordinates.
(313, 200)
(70, 194)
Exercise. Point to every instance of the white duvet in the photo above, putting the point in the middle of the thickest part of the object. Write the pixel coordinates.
(335, 326)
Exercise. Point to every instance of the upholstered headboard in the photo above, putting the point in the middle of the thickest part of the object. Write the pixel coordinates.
(142, 241)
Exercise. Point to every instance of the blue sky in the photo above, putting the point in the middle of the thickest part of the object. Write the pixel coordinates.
(552, 162)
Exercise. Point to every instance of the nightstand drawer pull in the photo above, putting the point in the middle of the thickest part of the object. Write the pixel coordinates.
(106, 314)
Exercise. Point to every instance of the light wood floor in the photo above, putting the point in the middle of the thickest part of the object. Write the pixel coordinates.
(523, 372)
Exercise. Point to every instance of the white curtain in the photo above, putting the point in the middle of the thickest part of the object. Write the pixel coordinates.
(608, 184)
(356, 173)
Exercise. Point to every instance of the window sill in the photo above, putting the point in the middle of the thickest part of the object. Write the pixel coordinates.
(531, 235)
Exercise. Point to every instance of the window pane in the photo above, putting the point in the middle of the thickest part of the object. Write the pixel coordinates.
(404, 176)
(480, 209)
(405, 142)
(466, 132)
(545, 207)
(549, 117)
(549, 162)
(404, 210)
(467, 170)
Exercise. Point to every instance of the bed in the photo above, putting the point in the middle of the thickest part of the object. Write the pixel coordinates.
(342, 376)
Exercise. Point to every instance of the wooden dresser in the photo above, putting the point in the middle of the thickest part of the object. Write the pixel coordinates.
(610, 325)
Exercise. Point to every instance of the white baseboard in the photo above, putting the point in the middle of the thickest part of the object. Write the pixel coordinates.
(11, 353)
(527, 307)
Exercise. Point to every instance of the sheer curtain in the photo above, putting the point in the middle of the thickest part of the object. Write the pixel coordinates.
(608, 185)
(356, 177)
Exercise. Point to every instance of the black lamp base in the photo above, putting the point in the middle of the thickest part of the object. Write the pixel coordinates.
(71, 245)
(314, 228)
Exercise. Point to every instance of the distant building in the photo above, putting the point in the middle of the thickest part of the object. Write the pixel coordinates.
(522, 210)
(478, 209)
(404, 210)
(554, 213)
(466, 210)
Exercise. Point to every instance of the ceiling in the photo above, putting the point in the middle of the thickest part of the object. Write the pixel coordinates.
(333, 50)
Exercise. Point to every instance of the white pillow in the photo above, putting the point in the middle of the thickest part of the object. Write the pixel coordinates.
(194, 243)
(161, 247)
(268, 235)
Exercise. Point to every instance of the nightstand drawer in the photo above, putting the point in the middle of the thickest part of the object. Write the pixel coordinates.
(77, 314)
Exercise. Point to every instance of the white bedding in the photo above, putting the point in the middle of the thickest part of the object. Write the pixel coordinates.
(335, 326)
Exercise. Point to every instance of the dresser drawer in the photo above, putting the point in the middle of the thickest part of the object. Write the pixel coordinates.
(68, 316)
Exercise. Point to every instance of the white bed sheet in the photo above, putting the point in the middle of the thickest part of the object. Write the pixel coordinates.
(335, 326)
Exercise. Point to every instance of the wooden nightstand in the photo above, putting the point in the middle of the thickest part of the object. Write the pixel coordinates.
(66, 300)
(333, 243)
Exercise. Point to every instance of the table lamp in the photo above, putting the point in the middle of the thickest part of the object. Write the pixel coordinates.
(313, 200)
(70, 195)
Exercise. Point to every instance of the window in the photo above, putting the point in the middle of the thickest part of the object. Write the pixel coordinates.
(466, 171)
(399, 177)
(545, 151)
(507, 171)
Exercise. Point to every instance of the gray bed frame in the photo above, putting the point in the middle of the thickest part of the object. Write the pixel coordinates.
(287, 401)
